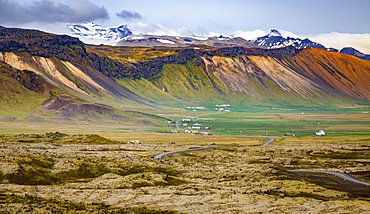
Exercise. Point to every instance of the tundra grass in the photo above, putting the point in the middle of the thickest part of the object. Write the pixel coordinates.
(11, 203)
(56, 171)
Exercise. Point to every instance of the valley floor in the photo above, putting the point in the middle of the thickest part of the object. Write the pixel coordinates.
(87, 173)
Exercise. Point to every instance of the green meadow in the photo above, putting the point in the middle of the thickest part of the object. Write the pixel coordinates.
(303, 122)
(342, 124)
(277, 124)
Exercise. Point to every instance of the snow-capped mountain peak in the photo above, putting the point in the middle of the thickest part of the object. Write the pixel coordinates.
(91, 30)
(273, 32)
(274, 39)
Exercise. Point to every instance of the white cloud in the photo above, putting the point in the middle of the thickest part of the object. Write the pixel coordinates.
(152, 29)
(285, 34)
(337, 40)
(249, 35)
(50, 11)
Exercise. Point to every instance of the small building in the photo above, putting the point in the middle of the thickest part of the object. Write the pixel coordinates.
(289, 134)
(223, 105)
(222, 110)
(320, 133)
(133, 141)
(190, 131)
(187, 120)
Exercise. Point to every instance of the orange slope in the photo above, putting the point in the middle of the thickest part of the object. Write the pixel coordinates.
(344, 73)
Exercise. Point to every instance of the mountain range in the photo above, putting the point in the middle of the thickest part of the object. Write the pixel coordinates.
(90, 30)
(57, 77)
(176, 41)
(275, 40)
(125, 37)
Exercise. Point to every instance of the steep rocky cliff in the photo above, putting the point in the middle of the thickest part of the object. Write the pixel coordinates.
(264, 79)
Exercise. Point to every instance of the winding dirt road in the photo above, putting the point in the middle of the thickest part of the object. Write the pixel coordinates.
(338, 174)
(159, 156)
(270, 140)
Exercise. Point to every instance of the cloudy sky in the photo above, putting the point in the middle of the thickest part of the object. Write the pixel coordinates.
(334, 23)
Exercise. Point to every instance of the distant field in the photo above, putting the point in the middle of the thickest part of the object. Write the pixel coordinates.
(279, 123)
(351, 126)
(341, 125)
(293, 109)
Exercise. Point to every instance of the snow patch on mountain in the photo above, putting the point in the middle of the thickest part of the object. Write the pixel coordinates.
(93, 31)
(165, 41)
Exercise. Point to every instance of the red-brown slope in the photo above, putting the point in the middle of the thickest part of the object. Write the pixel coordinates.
(344, 73)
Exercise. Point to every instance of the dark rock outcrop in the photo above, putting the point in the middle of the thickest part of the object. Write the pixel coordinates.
(26, 79)
(41, 44)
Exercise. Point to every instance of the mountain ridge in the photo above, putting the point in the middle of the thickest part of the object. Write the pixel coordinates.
(100, 80)
(354, 52)
(274, 39)
(123, 36)
(178, 41)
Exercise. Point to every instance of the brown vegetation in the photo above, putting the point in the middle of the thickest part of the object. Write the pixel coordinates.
(87, 172)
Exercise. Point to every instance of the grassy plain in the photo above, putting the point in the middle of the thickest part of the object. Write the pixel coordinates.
(277, 124)
(341, 125)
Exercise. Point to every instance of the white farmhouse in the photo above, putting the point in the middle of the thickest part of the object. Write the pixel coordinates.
(320, 133)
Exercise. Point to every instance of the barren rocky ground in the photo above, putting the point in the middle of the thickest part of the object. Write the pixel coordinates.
(87, 173)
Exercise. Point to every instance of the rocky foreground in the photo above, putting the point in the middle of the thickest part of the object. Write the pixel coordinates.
(87, 173)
